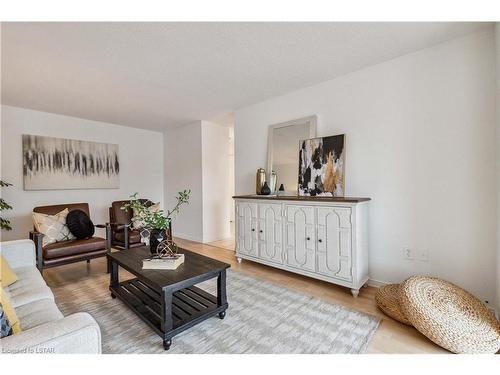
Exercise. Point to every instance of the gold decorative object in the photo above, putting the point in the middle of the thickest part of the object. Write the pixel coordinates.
(260, 179)
(167, 249)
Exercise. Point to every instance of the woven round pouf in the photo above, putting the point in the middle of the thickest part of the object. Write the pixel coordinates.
(449, 315)
(387, 298)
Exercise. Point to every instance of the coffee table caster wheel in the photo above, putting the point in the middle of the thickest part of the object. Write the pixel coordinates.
(167, 343)
(113, 296)
(222, 314)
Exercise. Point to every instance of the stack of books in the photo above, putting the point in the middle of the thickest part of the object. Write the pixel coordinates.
(156, 263)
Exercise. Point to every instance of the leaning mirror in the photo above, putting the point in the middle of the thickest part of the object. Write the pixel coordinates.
(283, 150)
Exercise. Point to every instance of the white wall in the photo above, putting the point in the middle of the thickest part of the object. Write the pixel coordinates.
(420, 132)
(196, 158)
(216, 189)
(497, 49)
(183, 170)
(231, 172)
(141, 160)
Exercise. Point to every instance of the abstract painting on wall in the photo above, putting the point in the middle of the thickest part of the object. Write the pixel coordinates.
(321, 166)
(56, 163)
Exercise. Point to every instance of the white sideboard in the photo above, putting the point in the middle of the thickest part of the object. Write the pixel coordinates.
(324, 238)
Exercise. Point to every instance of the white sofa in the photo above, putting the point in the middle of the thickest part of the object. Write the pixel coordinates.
(44, 329)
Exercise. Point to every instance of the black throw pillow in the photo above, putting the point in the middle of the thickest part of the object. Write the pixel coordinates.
(79, 224)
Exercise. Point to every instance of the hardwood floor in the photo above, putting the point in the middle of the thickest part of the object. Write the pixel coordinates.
(228, 243)
(391, 336)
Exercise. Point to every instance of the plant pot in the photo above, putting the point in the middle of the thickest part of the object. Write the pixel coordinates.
(156, 236)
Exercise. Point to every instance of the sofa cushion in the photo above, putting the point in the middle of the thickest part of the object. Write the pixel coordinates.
(38, 312)
(23, 296)
(73, 247)
(10, 311)
(26, 293)
(7, 275)
(134, 236)
(28, 275)
(5, 327)
(30, 287)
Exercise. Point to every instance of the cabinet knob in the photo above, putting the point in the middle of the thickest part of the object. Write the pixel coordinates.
(260, 231)
(308, 238)
(320, 240)
(253, 230)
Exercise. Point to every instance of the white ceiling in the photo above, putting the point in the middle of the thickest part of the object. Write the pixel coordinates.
(156, 75)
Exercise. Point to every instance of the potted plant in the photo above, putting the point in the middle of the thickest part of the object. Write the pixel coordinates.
(156, 222)
(4, 223)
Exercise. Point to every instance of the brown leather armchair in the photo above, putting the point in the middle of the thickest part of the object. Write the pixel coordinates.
(123, 236)
(71, 251)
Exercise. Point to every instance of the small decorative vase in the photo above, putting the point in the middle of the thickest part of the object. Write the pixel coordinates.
(272, 182)
(155, 238)
(281, 190)
(265, 189)
(260, 178)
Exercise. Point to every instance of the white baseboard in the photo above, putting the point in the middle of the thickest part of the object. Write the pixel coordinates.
(198, 239)
(187, 237)
(215, 239)
(376, 283)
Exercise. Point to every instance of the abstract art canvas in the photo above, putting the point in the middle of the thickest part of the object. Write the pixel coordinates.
(321, 166)
(56, 163)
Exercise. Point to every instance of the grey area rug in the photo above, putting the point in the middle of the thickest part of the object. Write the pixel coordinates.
(262, 318)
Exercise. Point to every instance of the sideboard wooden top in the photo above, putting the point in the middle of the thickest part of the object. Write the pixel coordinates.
(299, 198)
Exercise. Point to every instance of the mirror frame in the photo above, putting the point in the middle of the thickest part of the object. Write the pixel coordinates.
(312, 122)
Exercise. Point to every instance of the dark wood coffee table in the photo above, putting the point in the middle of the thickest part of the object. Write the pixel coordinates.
(167, 300)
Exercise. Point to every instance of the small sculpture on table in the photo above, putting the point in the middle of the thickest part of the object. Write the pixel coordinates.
(166, 257)
(167, 249)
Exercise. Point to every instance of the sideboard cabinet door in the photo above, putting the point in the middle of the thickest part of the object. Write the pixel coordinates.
(334, 242)
(270, 232)
(246, 231)
(300, 237)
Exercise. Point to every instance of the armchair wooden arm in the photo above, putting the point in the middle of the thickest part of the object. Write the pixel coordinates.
(37, 238)
(106, 226)
(118, 226)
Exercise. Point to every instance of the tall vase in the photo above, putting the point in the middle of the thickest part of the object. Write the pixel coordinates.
(260, 178)
(272, 182)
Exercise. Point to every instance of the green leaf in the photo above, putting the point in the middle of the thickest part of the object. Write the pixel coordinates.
(5, 224)
(4, 205)
(155, 220)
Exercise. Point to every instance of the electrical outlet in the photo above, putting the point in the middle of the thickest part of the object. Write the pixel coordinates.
(407, 253)
(423, 255)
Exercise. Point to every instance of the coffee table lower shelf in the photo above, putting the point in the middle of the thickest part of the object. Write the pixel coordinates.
(189, 306)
